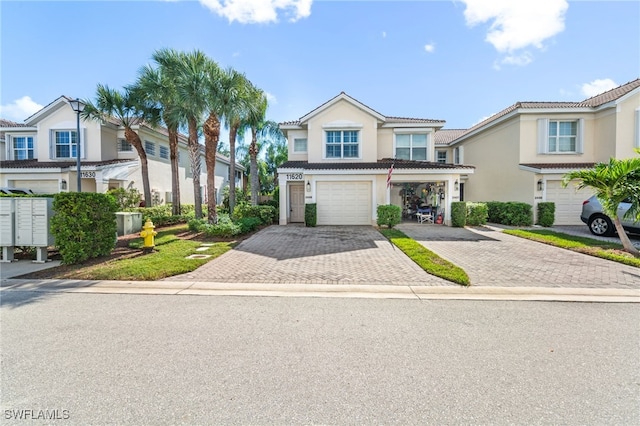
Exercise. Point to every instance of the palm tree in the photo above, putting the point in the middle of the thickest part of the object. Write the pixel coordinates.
(612, 182)
(128, 110)
(160, 89)
(276, 154)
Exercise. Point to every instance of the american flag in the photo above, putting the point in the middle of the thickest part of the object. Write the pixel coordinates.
(389, 175)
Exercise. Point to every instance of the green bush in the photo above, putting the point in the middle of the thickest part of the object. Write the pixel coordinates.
(266, 214)
(84, 225)
(477, 214)
(546, 213)
(389, 215)
(127, 199)
(310, 214)
(248, 224)
(510, 213)
(458, 214)
(161, 215)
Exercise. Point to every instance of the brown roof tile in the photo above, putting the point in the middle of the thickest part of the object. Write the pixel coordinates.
(444, 136)
(568, 166)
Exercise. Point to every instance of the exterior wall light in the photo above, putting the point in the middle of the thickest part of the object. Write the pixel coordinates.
(456, 185)
(308, 186)
(540, 185)
(63, 185)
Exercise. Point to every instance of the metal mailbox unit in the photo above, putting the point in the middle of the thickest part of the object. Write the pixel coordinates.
(7, 228)
(31, 217)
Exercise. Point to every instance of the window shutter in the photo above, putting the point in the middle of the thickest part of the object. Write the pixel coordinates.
(461, 154)
(543, 135)
(52, 144)
(83, 143)
(8, 147)
(637, 127)
(580, 137)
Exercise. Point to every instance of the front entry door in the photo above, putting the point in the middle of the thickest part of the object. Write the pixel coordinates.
(296, 203)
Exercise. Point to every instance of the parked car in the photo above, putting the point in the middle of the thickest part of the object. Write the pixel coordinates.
(10, 191)
(600, 224)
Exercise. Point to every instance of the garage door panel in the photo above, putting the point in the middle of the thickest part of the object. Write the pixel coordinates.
(37, 186)
(344, 203)
(568, 202)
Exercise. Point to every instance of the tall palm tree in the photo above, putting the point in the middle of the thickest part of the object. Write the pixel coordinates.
(189, 72)
(612, 182)
(157, 85)
(129, 110)
(211, 130)
(255, 120)
(276, 154)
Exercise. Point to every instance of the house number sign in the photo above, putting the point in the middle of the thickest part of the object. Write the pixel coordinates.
(88, 174)
(294, 176)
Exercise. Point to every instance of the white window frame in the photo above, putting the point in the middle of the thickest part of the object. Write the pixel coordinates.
(342, 144)
(295, 146)
(164, 152)
(150, 148)
(14, 150)
(72, 155)
(438, 159)
(411, 134)
(544, 138)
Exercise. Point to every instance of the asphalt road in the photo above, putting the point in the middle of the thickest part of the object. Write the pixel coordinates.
(142, 359)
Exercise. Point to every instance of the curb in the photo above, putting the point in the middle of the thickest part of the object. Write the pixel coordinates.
(197, 288)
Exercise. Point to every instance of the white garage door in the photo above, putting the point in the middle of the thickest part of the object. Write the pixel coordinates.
(37, 186)
(568, 202)
(344, 203)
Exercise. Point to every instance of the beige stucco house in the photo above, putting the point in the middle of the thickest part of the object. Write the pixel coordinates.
(522, 152)
(340, 155)
(39, 154)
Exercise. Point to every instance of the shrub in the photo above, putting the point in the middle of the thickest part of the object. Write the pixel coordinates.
(266, 214)
(84, 225)
(248, 224)
(196, 225)
(310, 214)
(389, 215)
(510, 213)
(127, 199)
(494, 211)
(458, 214)
(546, 213)
(477, 214)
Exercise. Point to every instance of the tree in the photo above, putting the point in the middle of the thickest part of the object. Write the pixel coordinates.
(276, 154)
(612, 182)
(129, 111)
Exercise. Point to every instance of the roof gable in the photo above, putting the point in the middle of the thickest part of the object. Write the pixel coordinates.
(342, 97)
(47, 109)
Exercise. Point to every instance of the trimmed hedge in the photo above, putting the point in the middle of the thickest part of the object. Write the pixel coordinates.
(265, 213)
(389, 215)
(458, 214)
(546, 213)
(310, 214)
(510, 213)
(477, 214)
(84, 225)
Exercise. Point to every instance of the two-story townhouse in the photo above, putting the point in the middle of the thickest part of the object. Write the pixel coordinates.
(41, 155)
(348, 159)
(522, 152)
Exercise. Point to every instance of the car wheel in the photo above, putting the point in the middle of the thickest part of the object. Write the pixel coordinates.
(601, 225)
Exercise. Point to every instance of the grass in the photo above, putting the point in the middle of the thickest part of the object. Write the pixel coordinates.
(590, 246)
(167, 259)
(426, 259)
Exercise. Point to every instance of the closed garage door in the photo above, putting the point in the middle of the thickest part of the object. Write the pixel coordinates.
(37, 186)
(568, 202)
(344, 203)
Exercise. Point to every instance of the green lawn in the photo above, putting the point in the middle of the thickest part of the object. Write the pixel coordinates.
(425, 258)
(602, 249)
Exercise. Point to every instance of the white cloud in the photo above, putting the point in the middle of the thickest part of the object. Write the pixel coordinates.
(259, 11)
(430, 47)
(384, 34)
(271, 98)
(20, 109)
(598, 86)
(516, 25)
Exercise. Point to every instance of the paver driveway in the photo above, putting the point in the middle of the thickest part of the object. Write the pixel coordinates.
(322, 255)
(492, 258)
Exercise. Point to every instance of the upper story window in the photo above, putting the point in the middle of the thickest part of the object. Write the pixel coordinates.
(411, 146)
(164, 152)
(300, 145)
(124, 146)
(441, 156)
(342, 144)
(22, 147)
(66, 143)
(560, 136)
(150, 148)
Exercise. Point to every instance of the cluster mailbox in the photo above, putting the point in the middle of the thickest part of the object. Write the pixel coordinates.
(24, 222)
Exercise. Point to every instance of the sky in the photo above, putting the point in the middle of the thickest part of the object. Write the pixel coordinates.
(460, 61)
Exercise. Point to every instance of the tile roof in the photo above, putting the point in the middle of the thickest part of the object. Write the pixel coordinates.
(568, 166)
(9, 123)
(444, 136)
(383, 164)
(35, 164)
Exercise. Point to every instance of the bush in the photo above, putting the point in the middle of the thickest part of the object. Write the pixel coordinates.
(266, 214)
(458, 214)
(477, 214)
(127, 199)
(546, 213)
(389, 215)
(310, 214)
(510, 213)
(248, 224)
(84, 225)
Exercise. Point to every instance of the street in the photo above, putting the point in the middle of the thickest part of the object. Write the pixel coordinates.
(154, 359)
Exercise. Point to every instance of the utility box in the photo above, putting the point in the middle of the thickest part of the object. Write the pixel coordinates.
(7, 228)
(128, 223)
(32, 217)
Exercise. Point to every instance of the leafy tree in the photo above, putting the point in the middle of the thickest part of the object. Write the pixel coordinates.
(276, 154)
(612, 182)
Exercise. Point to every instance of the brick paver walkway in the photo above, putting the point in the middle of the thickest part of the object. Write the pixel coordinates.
(492, 258)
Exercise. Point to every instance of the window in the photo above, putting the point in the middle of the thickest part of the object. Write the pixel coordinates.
(342, 144)
(150, 148)
(22, 147)
(441, 156)
(411, 146)
(124, 146)
(300, 145)
(562, 136)
(164, 152)
(458, 155)
(66, 143)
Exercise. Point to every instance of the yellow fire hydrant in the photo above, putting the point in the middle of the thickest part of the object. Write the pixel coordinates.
(148, 233)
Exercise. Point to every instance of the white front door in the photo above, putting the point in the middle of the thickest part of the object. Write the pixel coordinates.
(296, 203)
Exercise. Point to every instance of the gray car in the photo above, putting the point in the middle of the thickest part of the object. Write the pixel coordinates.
(600, 224)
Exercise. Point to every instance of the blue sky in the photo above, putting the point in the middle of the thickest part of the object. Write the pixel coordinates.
(460, 61)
